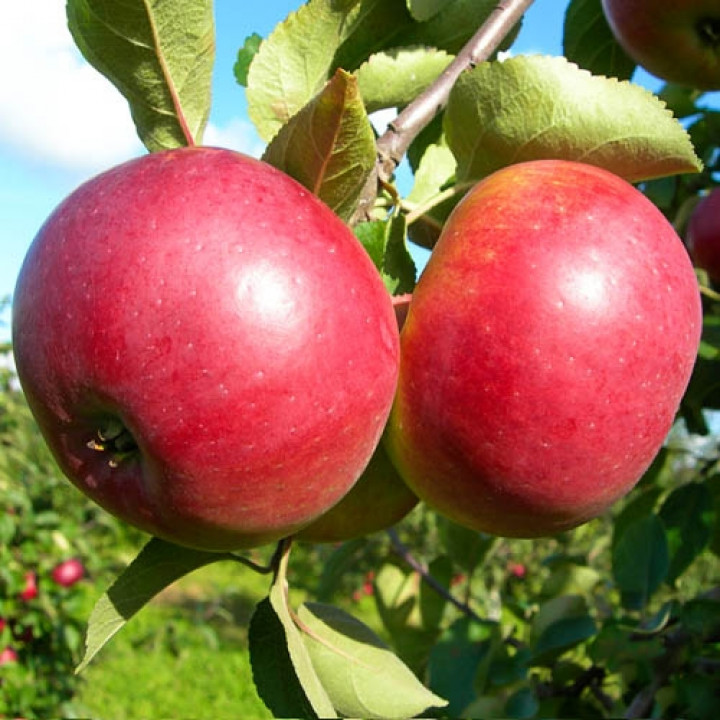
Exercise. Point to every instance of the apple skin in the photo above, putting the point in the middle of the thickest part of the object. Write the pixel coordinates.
(676, 41)
(68, 572)
(207, 349)
(703, 234)
(547, 346)
(378, 500)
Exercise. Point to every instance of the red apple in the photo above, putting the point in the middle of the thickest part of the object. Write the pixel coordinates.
(30, 589)
(207, 349)
(548, 344)
(676, 41)
(703, 234)
(378, 500)
(68, 572)
(8, 655)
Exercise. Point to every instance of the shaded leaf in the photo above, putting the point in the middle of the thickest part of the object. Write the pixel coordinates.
(274, 676)
(423, 10)
(455, 661)
(561, 636)
(522, 704)
(589, 41)
(395, 77)
(528, 108)
(466, 547)
(640, 561)
(245, 57)
(329, 146)
(158, 565)
(433, 603)
(362, 675)
(386, 244)
(687, 514)
(159, 55)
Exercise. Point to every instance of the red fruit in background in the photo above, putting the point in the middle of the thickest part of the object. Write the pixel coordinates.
(208, 350)
(68, 572)
(8, 655)
(677, 41)
(30, 590)
(703, 234)
(547, 346)
(518, 570)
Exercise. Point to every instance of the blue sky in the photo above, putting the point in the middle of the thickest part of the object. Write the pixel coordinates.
(61, 122)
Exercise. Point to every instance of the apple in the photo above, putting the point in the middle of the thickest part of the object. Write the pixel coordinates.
(30, 589)
(378, 500)
(8, 655)
(68, 572)
(207, 349)
(547, 346)
(676, 41)
(703, 234)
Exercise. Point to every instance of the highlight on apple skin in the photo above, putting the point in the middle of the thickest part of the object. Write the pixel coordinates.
(676, 41)
(547, 347)
(207, 349)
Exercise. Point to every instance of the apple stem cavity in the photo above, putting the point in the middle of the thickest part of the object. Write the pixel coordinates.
(114, 439)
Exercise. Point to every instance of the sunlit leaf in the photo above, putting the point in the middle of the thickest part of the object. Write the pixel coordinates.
(528, 108)
(423, 10)
(329, 146)
(362, 676)
(395, 77)
(158, 565)
(160, 56)
(385, 242)
(245, 57)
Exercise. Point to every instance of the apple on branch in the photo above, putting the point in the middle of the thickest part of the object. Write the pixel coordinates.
(676, 41)
(547, 346)
(208, 350)
(703, 234)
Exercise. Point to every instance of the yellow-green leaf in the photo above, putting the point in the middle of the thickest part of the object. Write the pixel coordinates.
(159, 54)
(329, 146)
(528, 108)
(361, 675)
(394, 78)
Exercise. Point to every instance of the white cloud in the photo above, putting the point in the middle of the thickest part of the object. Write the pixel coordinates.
(237, 135)
(57, 110)
(54, 107)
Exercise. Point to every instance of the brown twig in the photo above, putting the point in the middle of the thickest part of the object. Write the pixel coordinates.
(407, 557)
(394, 143)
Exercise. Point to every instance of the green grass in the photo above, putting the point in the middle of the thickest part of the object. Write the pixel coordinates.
(183, 656)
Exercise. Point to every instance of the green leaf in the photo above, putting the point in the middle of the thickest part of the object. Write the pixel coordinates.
(455, 660)
(300, 659)
(385, 242)
(687, 514)
(329, 146)
(297, 58)
(274, 675)
(528, 108)
(361, 674)
(159, 55)
(423, 10)
(397, 591)
(466, 547)
(245, 56)
(522, 704)
(394, 78)
(433, 603)
(640, 561)
(589, 41)
(158, 565)
(453, 26)
(561, 636)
